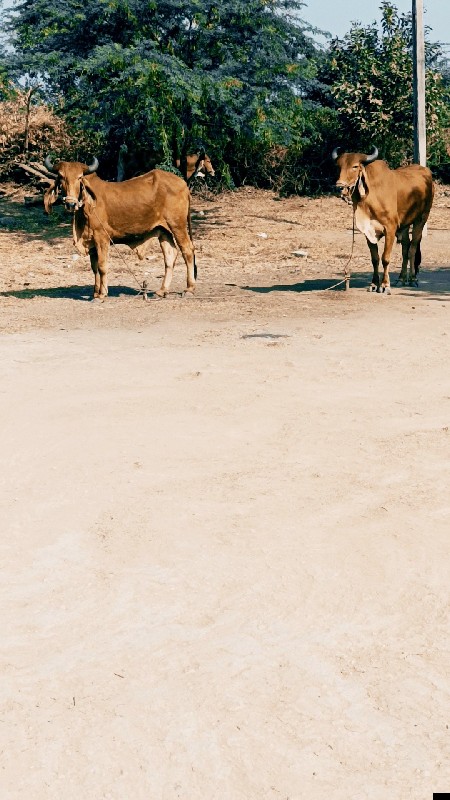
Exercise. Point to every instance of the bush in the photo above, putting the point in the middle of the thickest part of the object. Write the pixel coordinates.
(300, 165)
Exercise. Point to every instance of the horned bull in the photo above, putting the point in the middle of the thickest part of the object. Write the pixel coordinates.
(390, 203)
(130, 212)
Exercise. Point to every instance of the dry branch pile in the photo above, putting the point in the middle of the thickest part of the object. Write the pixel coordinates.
(24, 136)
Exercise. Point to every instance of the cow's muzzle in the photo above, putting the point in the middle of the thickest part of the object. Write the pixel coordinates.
(71, 204)
(345, 190)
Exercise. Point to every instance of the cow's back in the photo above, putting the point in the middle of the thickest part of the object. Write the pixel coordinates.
(154, 184)
(414, 191)
(136, 206)
(402, 194)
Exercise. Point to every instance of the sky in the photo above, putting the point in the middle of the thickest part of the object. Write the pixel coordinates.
(336, 16)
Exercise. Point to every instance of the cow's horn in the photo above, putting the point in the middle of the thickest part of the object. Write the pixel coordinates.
(49, 166)
(92, 167)
(372, 157)
(335, 153)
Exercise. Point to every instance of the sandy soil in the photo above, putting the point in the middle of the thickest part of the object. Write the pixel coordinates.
(225, 520)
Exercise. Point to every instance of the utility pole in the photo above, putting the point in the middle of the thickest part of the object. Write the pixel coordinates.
(420, 130)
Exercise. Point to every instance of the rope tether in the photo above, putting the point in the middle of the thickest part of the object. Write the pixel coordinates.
(347, 275)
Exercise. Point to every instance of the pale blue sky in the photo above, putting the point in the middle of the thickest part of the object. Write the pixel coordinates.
(336, 16)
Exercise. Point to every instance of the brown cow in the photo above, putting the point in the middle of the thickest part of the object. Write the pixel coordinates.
(133, 164)
(197, 164)
(130, 212)
(387, 202)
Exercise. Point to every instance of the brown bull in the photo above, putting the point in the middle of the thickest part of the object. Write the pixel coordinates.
(132, 164)
(390, 203)
(130, 212)
(197, 165)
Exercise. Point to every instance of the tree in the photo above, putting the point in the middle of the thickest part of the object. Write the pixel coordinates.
(369, 78)
(160, 75)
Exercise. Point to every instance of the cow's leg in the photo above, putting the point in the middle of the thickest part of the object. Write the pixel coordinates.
(170, 253)
(184, 242)
(415, 255)
(375, 256)
(389, 239)
(404, 238)
(102, 254)
(94, 266)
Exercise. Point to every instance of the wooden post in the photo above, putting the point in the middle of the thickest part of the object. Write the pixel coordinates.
(420, 131)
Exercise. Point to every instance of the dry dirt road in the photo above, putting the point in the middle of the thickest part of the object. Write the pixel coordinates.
(225, 558)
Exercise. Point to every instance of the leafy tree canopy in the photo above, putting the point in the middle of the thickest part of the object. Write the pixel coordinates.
(149, 80)
(160, 75)
(369, 77)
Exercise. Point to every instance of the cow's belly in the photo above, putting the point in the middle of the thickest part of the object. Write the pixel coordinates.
(371, 228)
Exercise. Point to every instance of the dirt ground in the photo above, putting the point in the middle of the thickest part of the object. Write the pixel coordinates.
(225, 559)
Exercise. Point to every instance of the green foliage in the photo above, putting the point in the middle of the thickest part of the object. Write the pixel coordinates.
(163, 75)
(151, 80)
(369, 75)
(6, 87)
(307, 167)
(294, 161)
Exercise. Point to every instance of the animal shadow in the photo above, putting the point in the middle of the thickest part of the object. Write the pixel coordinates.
(313, 285)
(80, 293)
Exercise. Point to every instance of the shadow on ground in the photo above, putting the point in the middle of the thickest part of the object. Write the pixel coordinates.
(313, 285)
(31, 223)
(83, 293)
(436, 282)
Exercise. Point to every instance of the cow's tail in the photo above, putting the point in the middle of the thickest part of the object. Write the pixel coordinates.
(189, 221)
(190, 235)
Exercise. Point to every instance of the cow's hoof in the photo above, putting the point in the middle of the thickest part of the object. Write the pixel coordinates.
(187, 294)
(385, 290)
(414, 282)
(401, 281)
(158, 295)
(98, 300)
(372, 288)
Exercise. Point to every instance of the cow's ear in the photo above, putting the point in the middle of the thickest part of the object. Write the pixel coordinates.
(362, 183)
(50, 197)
